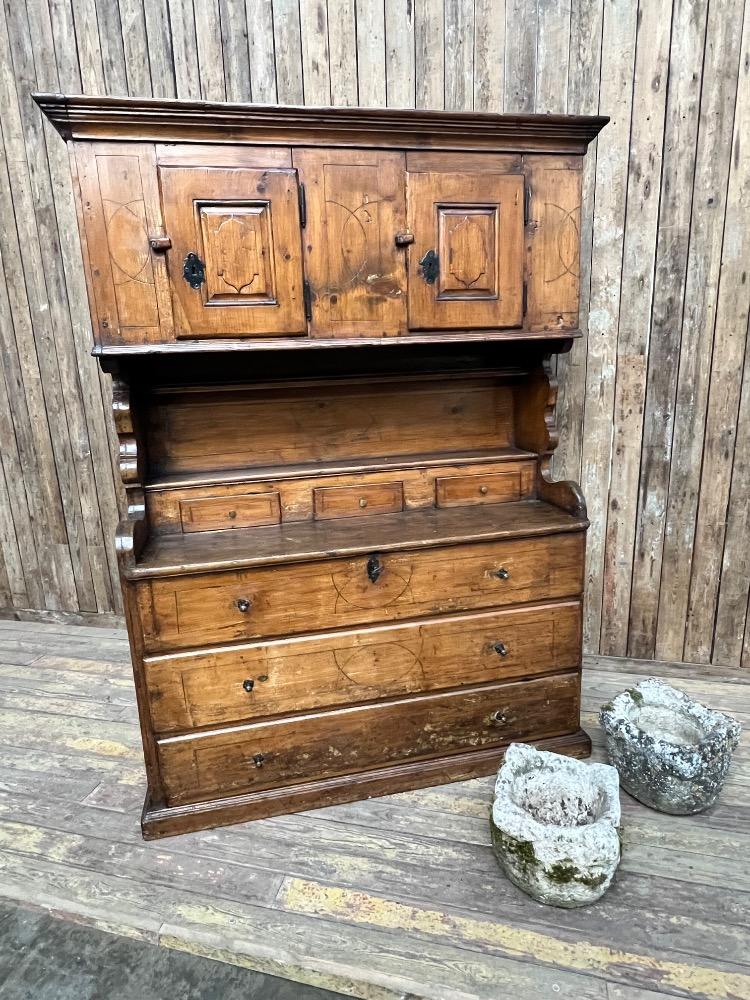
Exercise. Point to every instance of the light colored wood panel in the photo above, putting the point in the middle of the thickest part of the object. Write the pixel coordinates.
(429, 56)
(553, 43)
(112, 49)
(636, 293)
(210, 54)
(260, 39)
(160, 48)
(489, 55)
(342, 45)
(288, 51)
(135, 48)
(184, 50)
(617, 59)
(732, 606)
(316, 77)
(697, 329)
(584, 71)
(88, 46)
(235, 38)
(729, 347)
(672, 242)
(400, 54)
(459, 55)
(371, 56)
(520, 56)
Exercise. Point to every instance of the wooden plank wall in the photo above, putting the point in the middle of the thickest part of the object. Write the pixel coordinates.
(655, 401)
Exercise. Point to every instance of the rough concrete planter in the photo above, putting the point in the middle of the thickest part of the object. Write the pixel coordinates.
(555, 825)
(672, 753)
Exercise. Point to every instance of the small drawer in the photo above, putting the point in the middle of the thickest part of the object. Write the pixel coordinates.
(245, 511)
(319, 745)
(213, 687)
(462, 491)
(354, 501)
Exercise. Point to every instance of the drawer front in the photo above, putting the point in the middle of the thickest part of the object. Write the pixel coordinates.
(320, 745)
(355, 501)
(214, 687)
(179, 612)
(243, 511)
(460, 491)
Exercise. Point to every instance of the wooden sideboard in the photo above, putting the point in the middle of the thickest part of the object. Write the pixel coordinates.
(347, 569)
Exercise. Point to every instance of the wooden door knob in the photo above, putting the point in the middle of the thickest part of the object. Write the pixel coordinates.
(404, 239)
(160, 244)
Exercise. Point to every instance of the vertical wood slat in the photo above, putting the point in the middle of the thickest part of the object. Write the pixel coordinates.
(618, 55)
(654, 402)
(639, 246)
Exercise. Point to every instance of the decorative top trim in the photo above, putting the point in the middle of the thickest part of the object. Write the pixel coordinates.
(81, 117)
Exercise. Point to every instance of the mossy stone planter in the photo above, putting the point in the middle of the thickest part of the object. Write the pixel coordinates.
(555, 825)
(672, 753)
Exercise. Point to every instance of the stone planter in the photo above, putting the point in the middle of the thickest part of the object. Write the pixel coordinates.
(672, 753)
(555, 825)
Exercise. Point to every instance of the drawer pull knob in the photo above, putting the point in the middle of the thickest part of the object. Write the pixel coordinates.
(248, 685)
(374, 569)
(498, 718)
(500, 648)
(483, 490)
(232, 514)
(259, 760)
(244, 605)
(362, 502)
(502, 573)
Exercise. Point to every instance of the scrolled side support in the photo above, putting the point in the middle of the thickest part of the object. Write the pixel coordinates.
(537, 431)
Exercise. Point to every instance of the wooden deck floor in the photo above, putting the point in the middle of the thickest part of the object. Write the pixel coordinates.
(395, 897)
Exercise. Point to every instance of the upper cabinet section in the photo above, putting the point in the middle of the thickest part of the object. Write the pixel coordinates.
(322, 225)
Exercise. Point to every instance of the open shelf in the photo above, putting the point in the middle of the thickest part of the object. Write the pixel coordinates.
(303, 541)
(337, 467)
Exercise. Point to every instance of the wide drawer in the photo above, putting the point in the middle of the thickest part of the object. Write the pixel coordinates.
(216, 686)
(359, 738)
(179, 612)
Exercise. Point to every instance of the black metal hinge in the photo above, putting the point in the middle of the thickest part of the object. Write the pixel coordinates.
(525, 297)
(302, 197)
(526, 204)
(307, 298)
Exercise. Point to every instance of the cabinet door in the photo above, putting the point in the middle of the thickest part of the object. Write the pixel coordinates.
(466, 264)
(356, 206)
(242, 228)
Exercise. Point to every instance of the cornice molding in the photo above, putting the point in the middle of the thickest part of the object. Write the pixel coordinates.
(126, 118)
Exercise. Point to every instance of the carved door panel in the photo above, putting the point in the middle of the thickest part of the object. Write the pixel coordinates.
(235, 264)
(466, 264)
(356, 206)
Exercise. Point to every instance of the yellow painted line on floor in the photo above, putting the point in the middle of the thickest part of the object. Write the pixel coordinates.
(303, 896)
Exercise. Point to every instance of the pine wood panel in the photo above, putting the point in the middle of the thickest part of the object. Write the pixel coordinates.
(660, 442)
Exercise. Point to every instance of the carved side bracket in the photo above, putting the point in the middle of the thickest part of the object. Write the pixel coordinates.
(536, 430)
(131, 531)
